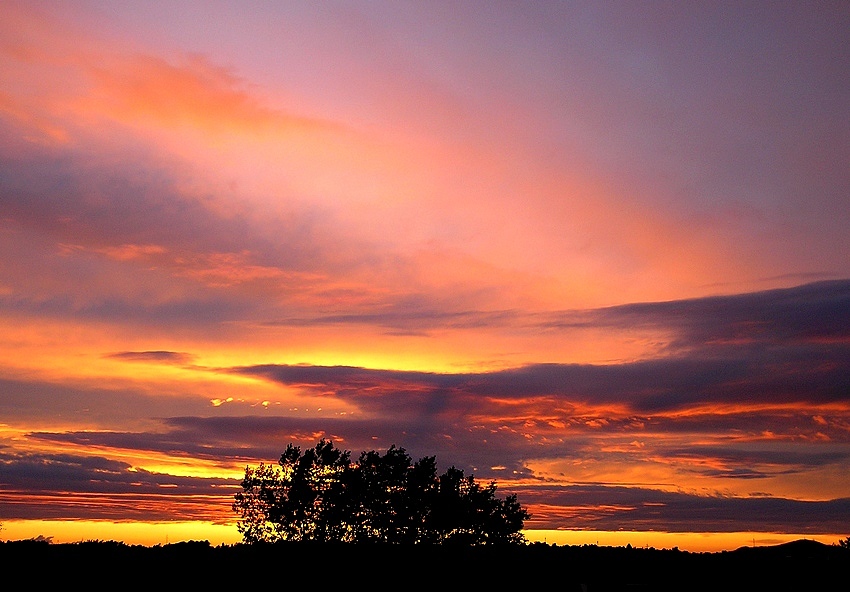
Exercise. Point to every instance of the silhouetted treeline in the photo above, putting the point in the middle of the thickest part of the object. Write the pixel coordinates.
(802, 565)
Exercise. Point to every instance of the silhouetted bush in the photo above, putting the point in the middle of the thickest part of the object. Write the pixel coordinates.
(322, 496)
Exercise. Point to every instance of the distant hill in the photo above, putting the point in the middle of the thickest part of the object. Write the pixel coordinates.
(799, 565)
(797, 549)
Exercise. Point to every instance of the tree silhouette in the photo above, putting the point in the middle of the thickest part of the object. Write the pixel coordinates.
(323, 496)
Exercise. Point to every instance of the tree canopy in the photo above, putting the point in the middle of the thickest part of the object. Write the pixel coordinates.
(321, 495)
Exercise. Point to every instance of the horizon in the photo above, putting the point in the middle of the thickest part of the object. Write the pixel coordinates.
(157, 535)
(595, 253)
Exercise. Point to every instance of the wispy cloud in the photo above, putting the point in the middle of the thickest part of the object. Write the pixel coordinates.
(194, 93)
(781, 346)
(165, 357)
(597, 507)
(69, 487)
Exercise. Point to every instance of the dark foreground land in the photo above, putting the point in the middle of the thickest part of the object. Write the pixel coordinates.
(93, 565)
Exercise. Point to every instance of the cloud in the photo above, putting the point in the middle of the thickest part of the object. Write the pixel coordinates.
(597, 507)
(120, 229)
(166, 357)
(195, 93)
(71, 487)
(108, 196)
(32, 402)
(812, 376)
(727, 446)
(729, 396)
(818, 312)
(98, 488)
(809, 313)
(122, 240)
(411, 315)
(233, 442)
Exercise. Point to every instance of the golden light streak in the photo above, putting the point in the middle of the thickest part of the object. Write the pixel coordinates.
(131, 533)
(163, 463)
(162, 533)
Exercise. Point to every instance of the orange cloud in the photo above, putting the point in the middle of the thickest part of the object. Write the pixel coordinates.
(197, 95)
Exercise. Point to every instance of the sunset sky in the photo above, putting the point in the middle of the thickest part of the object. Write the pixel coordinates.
(597, 252)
